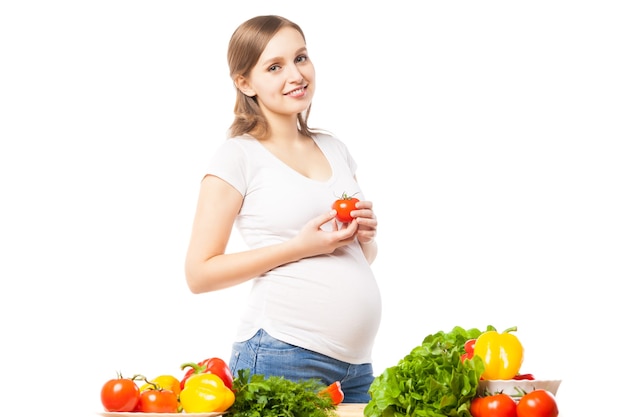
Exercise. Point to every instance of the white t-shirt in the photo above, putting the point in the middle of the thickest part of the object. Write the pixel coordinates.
(329, 304)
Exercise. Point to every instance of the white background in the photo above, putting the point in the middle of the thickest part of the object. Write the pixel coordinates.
(489, 135)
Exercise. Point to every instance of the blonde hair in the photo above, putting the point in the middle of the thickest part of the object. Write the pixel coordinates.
(244, 49)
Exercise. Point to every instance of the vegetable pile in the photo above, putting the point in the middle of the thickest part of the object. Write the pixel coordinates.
(208, 386)
(431, 381)
(440, 378)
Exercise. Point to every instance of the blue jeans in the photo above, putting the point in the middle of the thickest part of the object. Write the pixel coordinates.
(265, 355)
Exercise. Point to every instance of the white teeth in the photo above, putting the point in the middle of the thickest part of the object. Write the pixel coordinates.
(298, 91)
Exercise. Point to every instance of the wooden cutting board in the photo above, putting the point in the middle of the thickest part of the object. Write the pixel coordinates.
(350, 410)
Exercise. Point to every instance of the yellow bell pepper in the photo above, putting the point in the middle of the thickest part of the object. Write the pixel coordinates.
(206, 393)
(502, 354)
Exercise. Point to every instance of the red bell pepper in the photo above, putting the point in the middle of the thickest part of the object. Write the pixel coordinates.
(334, 391)
(214, 366)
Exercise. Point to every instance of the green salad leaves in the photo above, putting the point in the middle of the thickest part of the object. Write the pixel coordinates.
(431, 381)
(260, 396)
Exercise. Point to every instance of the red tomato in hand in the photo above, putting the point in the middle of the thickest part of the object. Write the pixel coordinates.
(158, 401)
(334, 391)
(119, 395)
(498, 405)
(537, 403)
(344, 207)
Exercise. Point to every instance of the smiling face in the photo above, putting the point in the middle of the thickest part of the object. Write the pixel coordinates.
(283, 79)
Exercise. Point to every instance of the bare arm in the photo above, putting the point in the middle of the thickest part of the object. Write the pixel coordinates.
(209, 268)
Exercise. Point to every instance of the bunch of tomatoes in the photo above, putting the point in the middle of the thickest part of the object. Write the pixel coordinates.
(537, 403)
(159, 395)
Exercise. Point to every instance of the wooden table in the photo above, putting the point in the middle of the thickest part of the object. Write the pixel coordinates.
(350, 410)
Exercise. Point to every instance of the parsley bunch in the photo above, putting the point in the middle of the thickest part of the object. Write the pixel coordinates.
(258, 396)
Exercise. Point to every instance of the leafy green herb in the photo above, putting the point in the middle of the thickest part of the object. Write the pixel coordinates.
(431, 381)
(258, 396)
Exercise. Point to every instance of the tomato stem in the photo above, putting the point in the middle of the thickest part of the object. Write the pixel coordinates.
(155, 386)
(345, 196)
(520, 392)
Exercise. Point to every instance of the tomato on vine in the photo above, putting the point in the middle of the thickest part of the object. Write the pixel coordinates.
(119, 394)
(168, 382)
(157, 401)
(344, 206)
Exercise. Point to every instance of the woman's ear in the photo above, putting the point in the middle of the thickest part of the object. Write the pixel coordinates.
(242, 85)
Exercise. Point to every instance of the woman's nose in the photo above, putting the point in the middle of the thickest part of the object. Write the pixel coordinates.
(294, 74)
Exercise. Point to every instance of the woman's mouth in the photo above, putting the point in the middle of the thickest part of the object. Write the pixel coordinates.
(298, 92)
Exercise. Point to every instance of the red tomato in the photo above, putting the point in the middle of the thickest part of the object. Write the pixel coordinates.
(344, 207)
(119, 395)
(498, 405)
(335, 392)
(475, 406)
(157, 401)
(538, 403)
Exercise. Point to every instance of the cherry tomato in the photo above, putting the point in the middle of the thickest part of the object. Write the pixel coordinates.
(344, 207)
(537, 403)
(119, 395)
(498, 405)
(524, 376)
(158, 401)
(335, 392)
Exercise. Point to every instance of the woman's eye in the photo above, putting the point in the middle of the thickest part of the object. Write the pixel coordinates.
(273, 68)
(301, 58)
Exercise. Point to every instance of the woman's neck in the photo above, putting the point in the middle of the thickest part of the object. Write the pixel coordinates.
(283, 128)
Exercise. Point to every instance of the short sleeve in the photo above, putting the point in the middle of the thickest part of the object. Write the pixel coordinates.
(229, 163)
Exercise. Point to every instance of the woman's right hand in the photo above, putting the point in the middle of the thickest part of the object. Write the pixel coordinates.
(313, 240)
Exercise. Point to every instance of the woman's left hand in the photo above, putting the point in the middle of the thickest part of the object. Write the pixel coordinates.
(366, 221)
